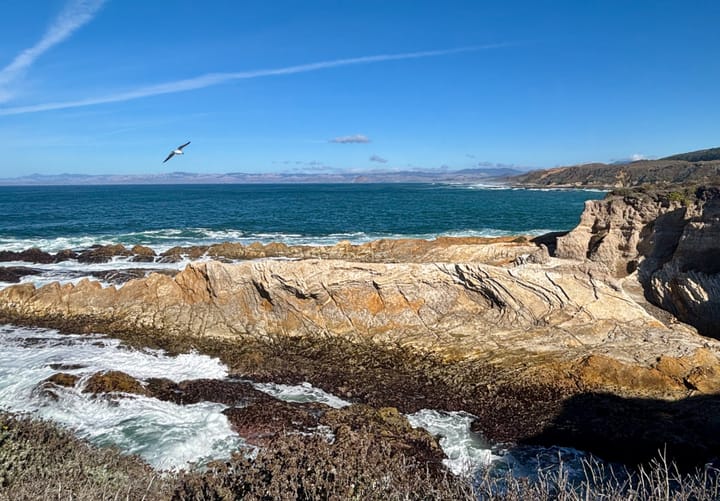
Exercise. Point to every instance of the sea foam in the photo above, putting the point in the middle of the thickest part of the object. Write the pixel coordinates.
(167, 435)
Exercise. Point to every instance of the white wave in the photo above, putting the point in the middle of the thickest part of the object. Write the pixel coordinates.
(162, 240)
(72, 271)
(466, 451)
(304, 392)
(558, 188)
(164, 434)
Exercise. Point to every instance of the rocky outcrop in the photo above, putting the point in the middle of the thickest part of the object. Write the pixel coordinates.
(527, 320)
(113, 382)
(507, 332)
(33, 255)
(261, 423)
(231, 393)
(495, 251)
(13, 274)
(142, 254)
(103, 254)
(671, 238)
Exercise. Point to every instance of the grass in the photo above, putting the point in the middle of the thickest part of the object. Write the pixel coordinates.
(40, 461)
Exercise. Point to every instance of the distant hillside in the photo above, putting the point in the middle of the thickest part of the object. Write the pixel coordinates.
(672, 170)
(697, 156)
(478, 175)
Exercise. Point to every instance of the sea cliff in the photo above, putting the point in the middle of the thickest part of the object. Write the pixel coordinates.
(670, 238)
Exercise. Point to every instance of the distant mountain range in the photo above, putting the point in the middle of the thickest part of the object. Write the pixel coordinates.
(695, 167)
(410, 176)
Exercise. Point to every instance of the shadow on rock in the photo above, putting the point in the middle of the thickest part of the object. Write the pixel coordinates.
(549, 240)
(633, 431)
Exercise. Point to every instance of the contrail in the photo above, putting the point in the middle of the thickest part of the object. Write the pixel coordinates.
(75, 14)
(211, 79)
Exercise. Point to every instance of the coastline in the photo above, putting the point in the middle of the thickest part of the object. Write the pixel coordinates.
(533, 337)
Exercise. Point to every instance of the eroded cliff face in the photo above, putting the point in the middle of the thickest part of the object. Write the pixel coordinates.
(672, 241)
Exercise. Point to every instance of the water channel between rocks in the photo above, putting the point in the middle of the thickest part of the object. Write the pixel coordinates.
(171, 436)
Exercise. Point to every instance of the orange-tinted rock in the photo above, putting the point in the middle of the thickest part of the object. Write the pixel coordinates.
(113, 382)
(63, 379)
(142, 254)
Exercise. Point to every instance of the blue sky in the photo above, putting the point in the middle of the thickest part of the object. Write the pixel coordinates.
(92, 86)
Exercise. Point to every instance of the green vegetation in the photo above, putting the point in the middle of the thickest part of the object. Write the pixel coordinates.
(697, 156)
(40, 461)
(685, 195)
(697, 167)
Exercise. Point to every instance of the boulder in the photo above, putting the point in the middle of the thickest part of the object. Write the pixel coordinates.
(65, 255)
(103, 253)
(113, 382)
(49, 387)
(33, 255)
(13, 274)
(63, 379)
(142, 254)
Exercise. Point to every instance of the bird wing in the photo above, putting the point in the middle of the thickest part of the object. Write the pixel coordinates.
(181, 147)
(172, 154)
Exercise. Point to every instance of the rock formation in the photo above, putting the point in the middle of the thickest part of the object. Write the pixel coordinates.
(670, 237)
(568, 318)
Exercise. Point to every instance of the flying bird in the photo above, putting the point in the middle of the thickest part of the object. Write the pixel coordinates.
(176, 151)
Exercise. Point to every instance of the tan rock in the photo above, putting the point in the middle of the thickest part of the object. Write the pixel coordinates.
(672, 242)
(535, 319)
(496, 251)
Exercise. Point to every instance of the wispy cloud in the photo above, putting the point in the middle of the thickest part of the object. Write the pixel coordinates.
(75, 14)
(211, 79)
(357, 138)
(378, 159)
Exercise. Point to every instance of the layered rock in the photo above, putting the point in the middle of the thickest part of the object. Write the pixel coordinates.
(671, 238)
(527, 320)
(497, 251)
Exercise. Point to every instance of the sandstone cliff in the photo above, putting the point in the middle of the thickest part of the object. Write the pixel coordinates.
(670, 238)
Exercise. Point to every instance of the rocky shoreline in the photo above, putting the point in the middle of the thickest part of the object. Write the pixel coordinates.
(556, 341)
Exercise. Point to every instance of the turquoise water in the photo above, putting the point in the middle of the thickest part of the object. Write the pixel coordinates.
(57, 217)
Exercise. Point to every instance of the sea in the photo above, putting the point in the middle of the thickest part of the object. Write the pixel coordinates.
(170, 436)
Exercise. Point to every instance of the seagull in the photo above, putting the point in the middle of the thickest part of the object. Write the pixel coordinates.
(176, 151)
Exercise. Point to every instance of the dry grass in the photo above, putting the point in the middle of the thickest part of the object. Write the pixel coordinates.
(40, 461)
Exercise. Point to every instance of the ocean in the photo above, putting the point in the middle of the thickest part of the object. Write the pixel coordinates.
(53, 218)
(166, 435)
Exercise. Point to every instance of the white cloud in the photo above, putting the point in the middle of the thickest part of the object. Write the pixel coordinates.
(357, 138)
(211, 79)
(637, 156)
(75, 14)
(378, 159)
